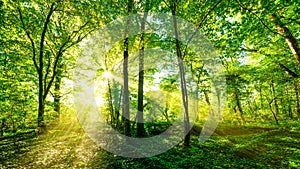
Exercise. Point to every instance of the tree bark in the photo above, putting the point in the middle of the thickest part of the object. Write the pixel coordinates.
(117, 100)
(239, 106)
(287, 100)
(273, 113)
(57, 92)
(140, 114)
(39, 54)
(42, 95)
(182, 78)
(126, 113)
(261, 97)
(288, 71)
(297, 97)
(288, 36)
(166, 111)
(111, 104)
(274, 97)
(2, 127)
(41, 108)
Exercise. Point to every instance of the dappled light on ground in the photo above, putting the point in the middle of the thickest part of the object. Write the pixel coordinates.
(65, 145)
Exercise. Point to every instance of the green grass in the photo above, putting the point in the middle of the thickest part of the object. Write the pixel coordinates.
(66, 146)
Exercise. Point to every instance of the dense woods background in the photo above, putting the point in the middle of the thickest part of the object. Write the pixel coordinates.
(256, 41)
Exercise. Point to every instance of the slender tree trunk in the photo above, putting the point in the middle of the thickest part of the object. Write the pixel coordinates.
(2, 127)
(282, 103)
(3, 88)
(261, 97)
(297, 97)
(206, 97)
(57, 93)
(290, 112)
(250, 107)
(140, 114)
(219, 104)
(166, 111)
(239, 106)
(110, 101)
(274, 97)
(182, 79)
(273, 113)
(271, 109)
(42, 92)
(211, 112)
(126, 113)
(41, 107)
(255, 106)
(117, 100)
(118, 108)
(166, 108)
(234, 109)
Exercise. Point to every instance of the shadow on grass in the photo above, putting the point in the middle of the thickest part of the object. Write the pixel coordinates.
(65, 145)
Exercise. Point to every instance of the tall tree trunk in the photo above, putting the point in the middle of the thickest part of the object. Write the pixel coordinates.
(110, 101)
(57, 93)
(239, 106)
(274, 97)
(273, 113)
(2, 127)
(118, 107)
(288, 101)
(47, 72)
(261, 97)
(297, 97)
(43, 89)
(250, 107)
(166, 110)
(140, 114)
(182, 78)
(270, 106)
(110, 94)
(41, 108)
(211, 112)
(126, 113)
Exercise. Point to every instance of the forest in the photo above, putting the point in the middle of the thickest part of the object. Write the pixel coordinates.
(149, 84)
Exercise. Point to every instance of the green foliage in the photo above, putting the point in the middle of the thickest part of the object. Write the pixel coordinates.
(255, 40)
(230, 147)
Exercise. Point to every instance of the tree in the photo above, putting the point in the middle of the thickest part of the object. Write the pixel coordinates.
(126, 111)
(180, 56)
(49, 38)
(140, 115)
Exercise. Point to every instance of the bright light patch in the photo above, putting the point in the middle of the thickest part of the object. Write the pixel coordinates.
(107, 75)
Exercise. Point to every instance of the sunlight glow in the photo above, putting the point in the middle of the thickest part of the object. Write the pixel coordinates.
(107, 75)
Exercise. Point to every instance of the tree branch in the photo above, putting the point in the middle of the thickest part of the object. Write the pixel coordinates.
(31, 40)
(57, 57)
(288, 36)
(43, 36)
(288, 71)
(264, 24)
(59, 54)
(166, 4)
(200, 24)
(47, 71)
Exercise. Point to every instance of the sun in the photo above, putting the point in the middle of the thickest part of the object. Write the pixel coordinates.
(107, 75)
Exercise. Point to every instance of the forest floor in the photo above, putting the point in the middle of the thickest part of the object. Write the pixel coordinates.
(65, 145)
